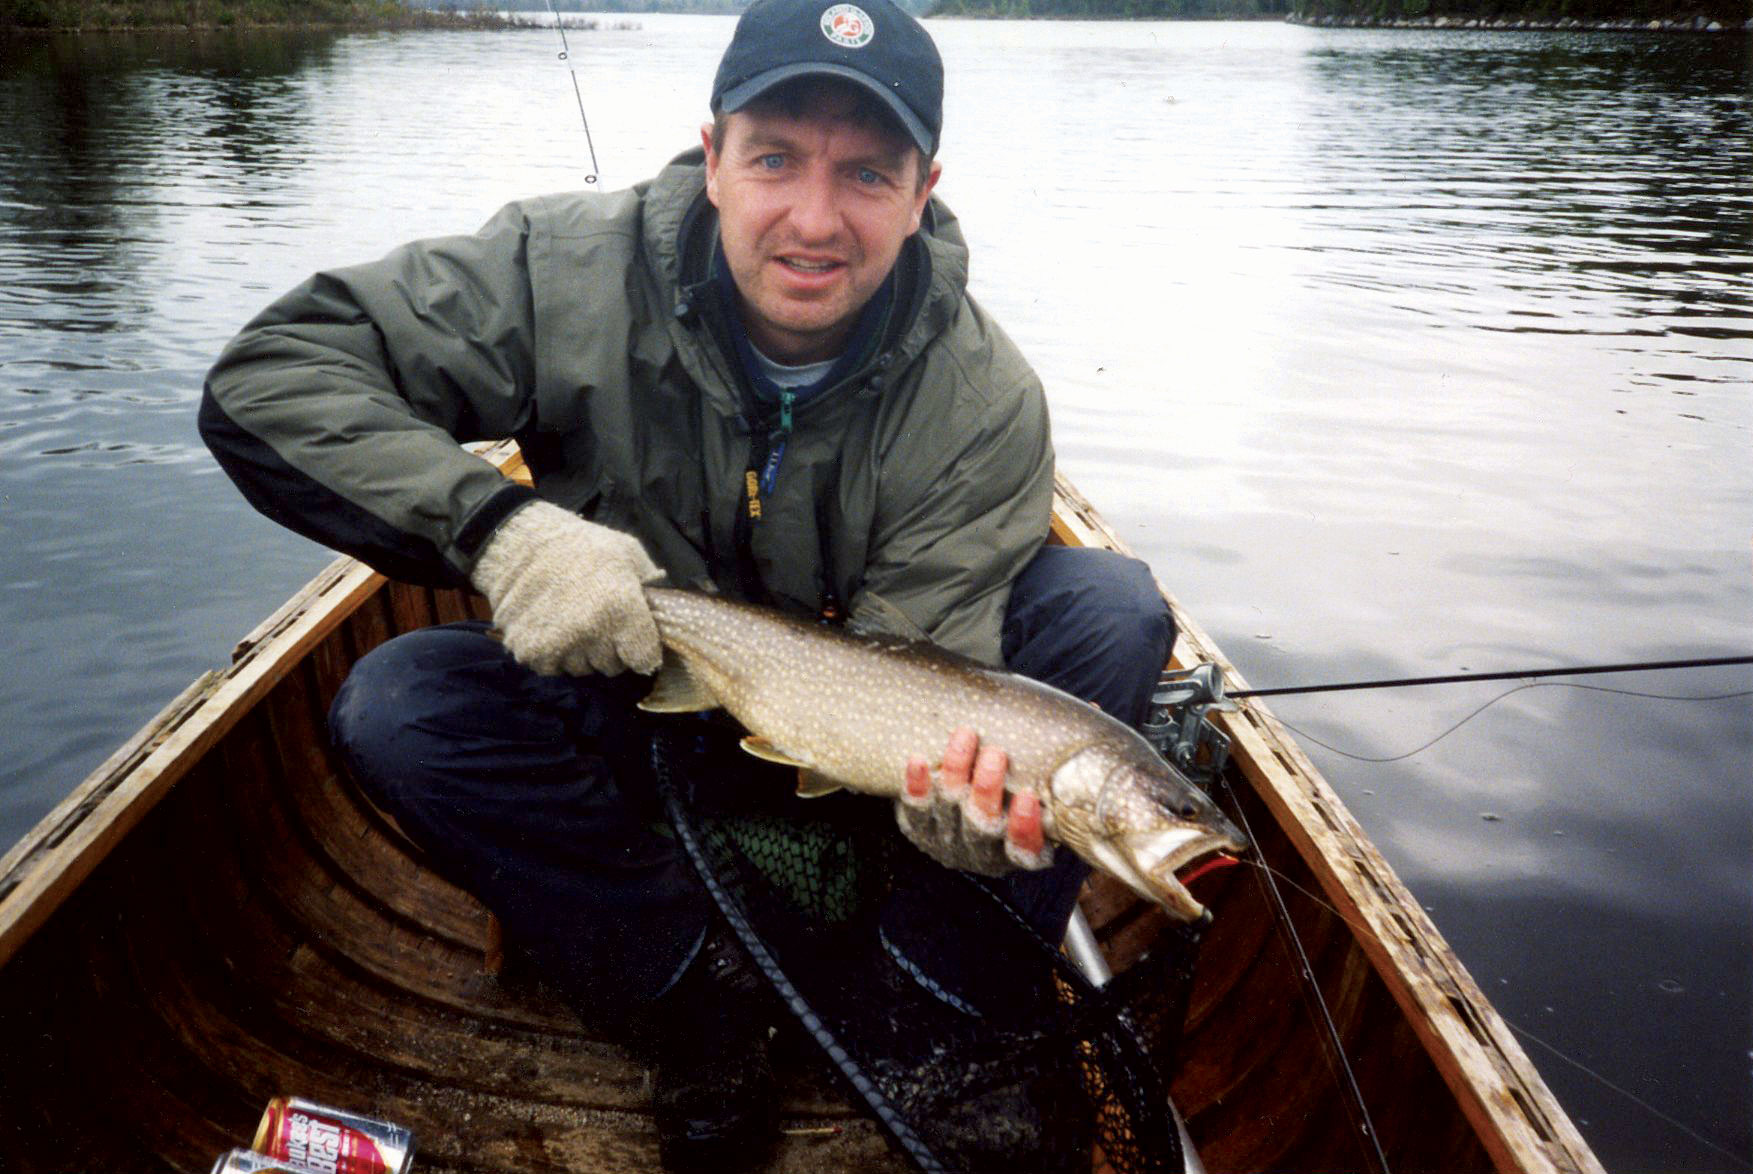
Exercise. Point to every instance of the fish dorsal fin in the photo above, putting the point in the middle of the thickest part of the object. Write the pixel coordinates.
(677, 689)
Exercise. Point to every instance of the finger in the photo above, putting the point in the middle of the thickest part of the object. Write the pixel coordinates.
(915, 822)
(918, 789)
(602, 661)
(936, 827)
(988, 787)
(591, 654)
(576, 660)
(1024, 834)
(639, 649)
(958, 760)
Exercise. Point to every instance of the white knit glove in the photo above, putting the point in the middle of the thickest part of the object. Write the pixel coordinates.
(567, 595)
(946, 829)
(958, 818)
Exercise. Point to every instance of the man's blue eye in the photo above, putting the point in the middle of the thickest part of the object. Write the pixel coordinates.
(772, 162)
(866, 175)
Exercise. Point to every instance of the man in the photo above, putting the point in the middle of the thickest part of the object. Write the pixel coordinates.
(759, 372)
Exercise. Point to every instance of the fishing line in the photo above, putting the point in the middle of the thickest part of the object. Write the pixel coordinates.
(1366, 1125)
(1702, 1140)
(1506, 693)
(1311, 894)
(566, 56)
(1321, 900)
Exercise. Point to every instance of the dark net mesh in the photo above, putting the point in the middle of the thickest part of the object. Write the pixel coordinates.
(1027, 1068)
(813, 866)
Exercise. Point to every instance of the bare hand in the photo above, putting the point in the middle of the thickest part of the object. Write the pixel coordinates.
(959, 819)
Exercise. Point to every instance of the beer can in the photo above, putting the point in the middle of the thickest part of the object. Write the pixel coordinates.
(250, 1162)
(322, 1140)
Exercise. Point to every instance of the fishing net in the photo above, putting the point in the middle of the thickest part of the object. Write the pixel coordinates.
(1025, 1070)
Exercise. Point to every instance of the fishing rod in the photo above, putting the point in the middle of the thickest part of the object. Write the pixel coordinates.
(1178, 721)
(566, 56)
(1519, 675)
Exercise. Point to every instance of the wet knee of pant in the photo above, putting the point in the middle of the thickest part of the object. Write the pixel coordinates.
(1130, 603)
(397, 689)
(1075, 588)
(1123, 597)
(1092, 622)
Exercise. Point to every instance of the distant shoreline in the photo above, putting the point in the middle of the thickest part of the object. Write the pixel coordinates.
(1533, 23)
(112, 16)
(120, 16)
(1712, 16)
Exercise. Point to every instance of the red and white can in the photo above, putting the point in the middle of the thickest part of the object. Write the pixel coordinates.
(250, 1162)
(322, 1140)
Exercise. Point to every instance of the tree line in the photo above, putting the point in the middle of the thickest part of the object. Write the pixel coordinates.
(158, 14)
(1729, 14)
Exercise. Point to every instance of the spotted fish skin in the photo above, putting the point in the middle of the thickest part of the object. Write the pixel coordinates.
(851, 710)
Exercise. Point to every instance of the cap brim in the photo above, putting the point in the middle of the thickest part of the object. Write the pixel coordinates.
(737, 97)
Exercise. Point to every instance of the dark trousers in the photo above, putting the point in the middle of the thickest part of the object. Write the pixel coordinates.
(517, 786)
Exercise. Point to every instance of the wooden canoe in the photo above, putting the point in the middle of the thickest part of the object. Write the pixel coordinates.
(216, 917)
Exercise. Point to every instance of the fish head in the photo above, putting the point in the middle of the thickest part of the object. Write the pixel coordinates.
(1122, 807)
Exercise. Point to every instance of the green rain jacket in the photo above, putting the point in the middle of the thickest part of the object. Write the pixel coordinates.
(588, 328)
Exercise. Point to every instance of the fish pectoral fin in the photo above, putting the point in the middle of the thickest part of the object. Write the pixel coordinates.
(813, 785)
(677, 690)
(762, 748)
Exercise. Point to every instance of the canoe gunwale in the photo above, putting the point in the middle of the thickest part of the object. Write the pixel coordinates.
(51, 862)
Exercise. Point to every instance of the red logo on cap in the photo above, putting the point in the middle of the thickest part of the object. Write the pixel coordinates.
(848, 25)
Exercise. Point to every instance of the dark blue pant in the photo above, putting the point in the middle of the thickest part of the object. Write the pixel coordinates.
(508, 779)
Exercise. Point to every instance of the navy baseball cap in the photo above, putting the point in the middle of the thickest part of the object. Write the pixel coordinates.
(874, 44)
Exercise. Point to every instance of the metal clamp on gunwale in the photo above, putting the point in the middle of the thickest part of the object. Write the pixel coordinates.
(1178, 726)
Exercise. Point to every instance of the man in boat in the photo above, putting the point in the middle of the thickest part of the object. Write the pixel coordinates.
(759, 372)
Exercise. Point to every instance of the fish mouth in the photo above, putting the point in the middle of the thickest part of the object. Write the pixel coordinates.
(1151, 866)
(1166, 875)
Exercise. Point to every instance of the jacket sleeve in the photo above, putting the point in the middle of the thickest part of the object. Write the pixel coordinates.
(339, 410)
(957, 529)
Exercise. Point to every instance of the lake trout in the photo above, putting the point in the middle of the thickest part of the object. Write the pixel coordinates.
(850, 710)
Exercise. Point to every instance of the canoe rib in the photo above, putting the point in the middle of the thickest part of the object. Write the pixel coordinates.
(1516, 1115)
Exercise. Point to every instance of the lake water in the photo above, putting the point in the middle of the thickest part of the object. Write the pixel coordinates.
(1394, 353)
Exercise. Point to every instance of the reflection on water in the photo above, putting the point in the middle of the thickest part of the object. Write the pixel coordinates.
(1631, 228)
(1393, 352)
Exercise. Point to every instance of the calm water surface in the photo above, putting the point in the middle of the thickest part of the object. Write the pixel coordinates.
(1394, 353)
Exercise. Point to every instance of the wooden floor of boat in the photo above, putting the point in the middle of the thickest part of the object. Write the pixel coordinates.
(263, 931)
